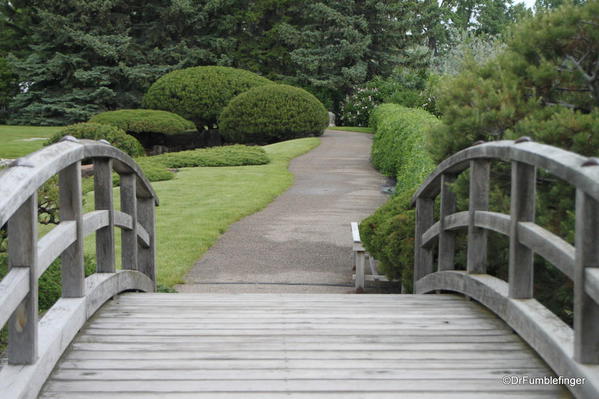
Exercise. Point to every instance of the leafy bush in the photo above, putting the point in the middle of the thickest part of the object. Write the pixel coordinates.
(234, 155)
(388, 235)
(356, 108)
(200, 93)
(399, 146)
(145, 121)
(399, 151)
(273, 113)
(152, 171)
(97, 131)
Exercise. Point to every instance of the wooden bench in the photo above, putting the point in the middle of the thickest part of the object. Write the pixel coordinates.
(359, 257)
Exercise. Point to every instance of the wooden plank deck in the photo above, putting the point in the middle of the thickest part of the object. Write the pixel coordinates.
(295, 346)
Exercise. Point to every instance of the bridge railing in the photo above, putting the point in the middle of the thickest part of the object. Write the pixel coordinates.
(35, 346)
(570, 352)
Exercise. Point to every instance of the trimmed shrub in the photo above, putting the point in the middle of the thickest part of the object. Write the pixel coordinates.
(234, 155)
(200, 93)
(399, 146)
(97, 131)
(145, 121)
(398, 151)
(273, 113)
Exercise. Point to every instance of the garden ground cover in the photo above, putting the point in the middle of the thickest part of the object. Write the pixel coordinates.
(15, 141)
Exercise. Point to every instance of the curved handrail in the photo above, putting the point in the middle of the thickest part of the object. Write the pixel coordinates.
(32, 359)
(570, 352)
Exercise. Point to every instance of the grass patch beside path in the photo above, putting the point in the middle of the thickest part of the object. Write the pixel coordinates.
(200, 204)
(12, 144)
(352, 129)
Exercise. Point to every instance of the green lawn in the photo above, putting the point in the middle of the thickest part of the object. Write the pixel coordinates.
(201, 203)
(352, 129)
(16, 141)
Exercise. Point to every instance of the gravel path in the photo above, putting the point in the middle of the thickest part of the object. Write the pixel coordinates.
(301, 242)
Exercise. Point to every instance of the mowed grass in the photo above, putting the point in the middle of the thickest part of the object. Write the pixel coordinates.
(352, 129)
(201, 203)
(15, 141)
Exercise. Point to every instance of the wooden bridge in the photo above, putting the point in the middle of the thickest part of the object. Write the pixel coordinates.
(148, 345)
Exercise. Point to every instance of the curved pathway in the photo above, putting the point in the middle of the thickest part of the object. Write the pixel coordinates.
(301, 242)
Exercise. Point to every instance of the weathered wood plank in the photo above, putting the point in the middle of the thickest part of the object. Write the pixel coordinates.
(73, 274)
(478, 201)
(105, 262)
(129, 237)
(22, 254)
(523, 200)
(14, 287)
(423, 257)
(586, 310)
(146, 256)
(446, 237)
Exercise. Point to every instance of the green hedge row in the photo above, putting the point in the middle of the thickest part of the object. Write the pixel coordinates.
(399, 150)
(233, 155)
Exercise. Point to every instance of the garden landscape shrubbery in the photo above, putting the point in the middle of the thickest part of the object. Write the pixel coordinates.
(145, 121)
(200, 93)
(399, 151)
(272, 113)
(96, 131)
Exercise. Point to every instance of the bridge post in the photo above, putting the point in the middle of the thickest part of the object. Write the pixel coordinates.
(423, 257)
(478, 201)
(72, 270)
(586, 310)
(22, 252)
(129, 206)
(446, 237)
(521, 258)
(146, 257)
(104, 201)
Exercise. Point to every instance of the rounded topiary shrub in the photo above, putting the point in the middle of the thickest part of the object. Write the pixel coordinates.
(200, 93)
(145, 121)
(96, 131)
(272, 113)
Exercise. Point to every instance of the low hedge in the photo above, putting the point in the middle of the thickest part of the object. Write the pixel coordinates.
(145, 121)
(399, 146)
(273, 113)
(399, 151)
(97, 131)
(234, 155)
(200, 93)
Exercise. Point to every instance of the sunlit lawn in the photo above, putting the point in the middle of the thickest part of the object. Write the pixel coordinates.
(16, 141)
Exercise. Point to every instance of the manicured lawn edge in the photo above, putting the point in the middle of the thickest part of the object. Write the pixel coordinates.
(352, 129)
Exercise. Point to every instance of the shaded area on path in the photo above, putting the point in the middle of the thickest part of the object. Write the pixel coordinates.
(301, 242)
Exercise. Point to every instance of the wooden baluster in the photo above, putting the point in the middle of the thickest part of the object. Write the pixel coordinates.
(72, 270)
(129, 206)
(146, 257)
(104, 201)
(478, 201)
(360, 262)
(521, 259)
(22, 252)
(423, 257)
(446, 237)
(586, 311)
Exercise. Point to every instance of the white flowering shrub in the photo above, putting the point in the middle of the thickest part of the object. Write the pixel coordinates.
(356, 108)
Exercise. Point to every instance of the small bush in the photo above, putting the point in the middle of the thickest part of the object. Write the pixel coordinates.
(234, 155)
(154, 172)
(399, 147)
(145, 121)
(388, 235)
(97, 131)
(200, 93)
(273, 113)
